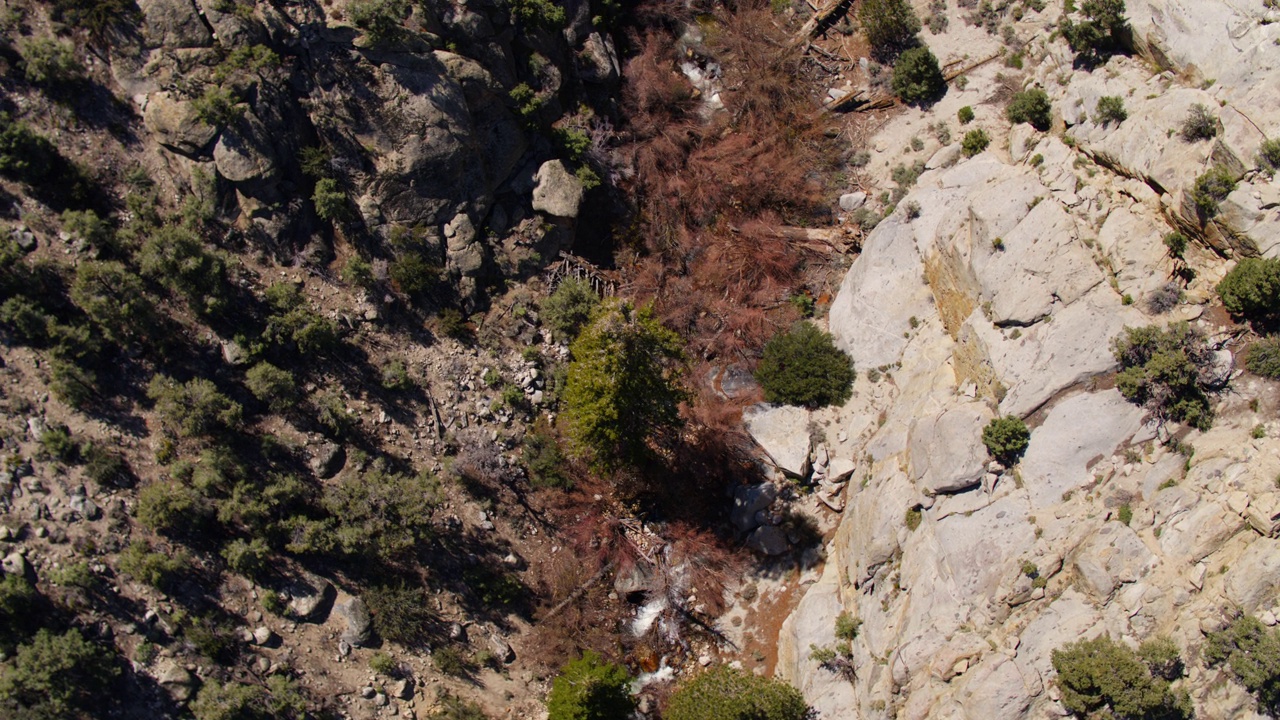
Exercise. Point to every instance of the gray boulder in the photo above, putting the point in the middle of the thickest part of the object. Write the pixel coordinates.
(359, 623)
(328, 460)
(175, 679)
(768, 540)
(173, 24)
(176, 126)
(501, 649)
(1077, 430)
(749, 500)
(947, 454)
(310, 598)
(783, 433)
(557, 191)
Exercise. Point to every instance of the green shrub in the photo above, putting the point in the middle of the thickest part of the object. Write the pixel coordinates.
(382, 514)
(57, 676)
(56, 442)
(413, 273)
(1006, 438)
(1031, 107)
(1124, 513)
(543, 459)
(1099, 33)
(588, 688)
(1102, 678)
(105, 467)
(1211, 189)
(1110, 109)
(624, 385)
(25, 156)
(1161, 370)
(47, 61)
(88, 225)
(804, 367)
(974, 142)
(381, 20)
(541, 13)
(450, 661)
(76, 575)
(292, 323)
(724, 693)
(1269, 156)
(175, 257)
(965, 115)
(247, 557)
(193, 409)
(218, 106)
(1162, 657)
(1200, 124)
(1252, 652)
(273, 386)
(395, 376)
(330, 200)
(159, 570)
(569, 308)
(113, 297)
(847, 627)
(1264, 357)
(1252, 289)
(315, 161)
(280, 699)
(359, 272)
(96, 16)
(72, 384)
(18, 605)
(917, 78)
(1176, 243)
(172, 509)
(383, 664)
(452, 707)
(26, 320)
(889, 25)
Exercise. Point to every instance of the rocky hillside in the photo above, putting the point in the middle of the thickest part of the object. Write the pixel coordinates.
(998, 286)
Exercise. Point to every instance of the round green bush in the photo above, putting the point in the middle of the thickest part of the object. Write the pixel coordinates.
(974, 142)
(1252, 289)
(1031, 107)
(890, 26)
(1006, 438)
(725, 693)
(917, 78)
(965, 115)
(1264, 357)
(590, 689)
(804, 367)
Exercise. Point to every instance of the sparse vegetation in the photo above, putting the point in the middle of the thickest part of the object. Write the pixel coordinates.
(1264, 357)
(1251, 651)
(1110, 110)
(1211, 189)
(1200, 124)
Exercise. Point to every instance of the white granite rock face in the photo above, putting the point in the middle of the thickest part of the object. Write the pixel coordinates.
(1003, 297)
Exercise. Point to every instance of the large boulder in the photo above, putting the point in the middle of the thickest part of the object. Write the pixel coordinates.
(1254, 578)
(175, 124)
(557, 192)
(359, 623)
(947, 454)
(173, 24)
(783, 433)
(1077, 431)
(749, 500)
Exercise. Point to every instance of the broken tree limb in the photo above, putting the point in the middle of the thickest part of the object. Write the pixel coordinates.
(824, 20)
